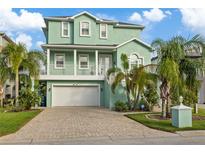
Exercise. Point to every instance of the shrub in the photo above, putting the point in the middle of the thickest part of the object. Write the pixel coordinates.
(150, 97)
(121, 106)
(28, 98)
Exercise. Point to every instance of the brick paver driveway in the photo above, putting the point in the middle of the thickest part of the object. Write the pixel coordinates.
(64, 123)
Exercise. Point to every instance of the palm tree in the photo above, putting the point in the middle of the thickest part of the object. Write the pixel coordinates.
(15, 53)
(5, 73)
(174, 65)
(32, 63)
(135, 79)
(140, 78)
(19, 57)
(121, 74)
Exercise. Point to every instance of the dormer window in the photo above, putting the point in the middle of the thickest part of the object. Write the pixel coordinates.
(103, 31)
(85, 28)
(65, 29)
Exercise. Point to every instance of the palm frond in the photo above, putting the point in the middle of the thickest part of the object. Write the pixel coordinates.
(112, 70)
(118, 78)
(125, 62)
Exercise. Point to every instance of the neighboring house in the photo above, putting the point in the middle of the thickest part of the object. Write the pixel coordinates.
(80, 49)
(9, 91)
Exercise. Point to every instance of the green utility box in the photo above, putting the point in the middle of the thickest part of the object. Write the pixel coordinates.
(181, 116)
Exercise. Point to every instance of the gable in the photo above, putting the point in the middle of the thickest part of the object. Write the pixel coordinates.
(134, 47)
(85, 14)
(137, 41)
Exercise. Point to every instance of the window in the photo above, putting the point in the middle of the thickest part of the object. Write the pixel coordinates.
(65, 29)
(59, 61)
(83, 61)
(103, 30)
(84, 28)
(135, 60)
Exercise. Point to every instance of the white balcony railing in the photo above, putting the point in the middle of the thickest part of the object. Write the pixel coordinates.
(69, 69)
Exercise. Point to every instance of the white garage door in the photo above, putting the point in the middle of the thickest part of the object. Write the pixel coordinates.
(75, 96)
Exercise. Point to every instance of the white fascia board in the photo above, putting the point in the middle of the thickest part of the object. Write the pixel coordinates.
(129, 26)
(136, 39)
(85, 12)
(77, 47)
(58, 19)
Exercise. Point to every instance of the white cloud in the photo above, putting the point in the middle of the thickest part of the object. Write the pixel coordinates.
(24, 38)
(168, 12)
(136, 17)
(154, 15)
(11, 21)
(39, 43)
(194, 19)
(105, 16)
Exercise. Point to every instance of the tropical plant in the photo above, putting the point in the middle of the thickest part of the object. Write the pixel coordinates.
(176, 70)
(151, 96)
(28, 98)
(19, 57)
(5, 73)
(135, 79)
(121, 75)
(121, 106)
(140, 78)
(15, 54)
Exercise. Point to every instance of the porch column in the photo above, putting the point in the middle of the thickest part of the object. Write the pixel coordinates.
(75, 62)
(48, 61)
(96, 62)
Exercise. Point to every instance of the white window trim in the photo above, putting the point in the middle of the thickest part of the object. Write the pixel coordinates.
(106, 31)
(79, 61)
(139, 57)
(81, 29)
(62, 29)
(56, 59)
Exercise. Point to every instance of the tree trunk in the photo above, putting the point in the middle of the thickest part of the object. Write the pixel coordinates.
(128, 97)
(163, 109)
(1, 96)
(1, 101)
(167, 108)
(17, 87)
(136, 102)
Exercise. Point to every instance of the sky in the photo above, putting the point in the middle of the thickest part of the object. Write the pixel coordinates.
(24, 25)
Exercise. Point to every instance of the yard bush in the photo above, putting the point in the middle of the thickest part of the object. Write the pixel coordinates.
(151, 97)
(28, 98)
(121, 106)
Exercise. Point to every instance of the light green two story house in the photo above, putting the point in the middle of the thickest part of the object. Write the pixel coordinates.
(80, 49)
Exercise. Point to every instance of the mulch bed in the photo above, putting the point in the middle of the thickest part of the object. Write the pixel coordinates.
(159, 117)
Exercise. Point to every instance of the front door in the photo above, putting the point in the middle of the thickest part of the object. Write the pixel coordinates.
(105, 62)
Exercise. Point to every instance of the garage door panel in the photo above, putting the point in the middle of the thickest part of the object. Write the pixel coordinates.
(75, 96)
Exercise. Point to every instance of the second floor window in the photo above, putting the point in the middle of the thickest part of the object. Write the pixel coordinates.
(59, 61)
(65, 29)
(84, 28)
(103, 30)
(84, 61)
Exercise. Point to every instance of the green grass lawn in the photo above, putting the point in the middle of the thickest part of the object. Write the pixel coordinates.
(166, 125)
(10, 122)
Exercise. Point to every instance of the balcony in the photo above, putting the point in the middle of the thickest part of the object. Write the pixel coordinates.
(68, 73)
